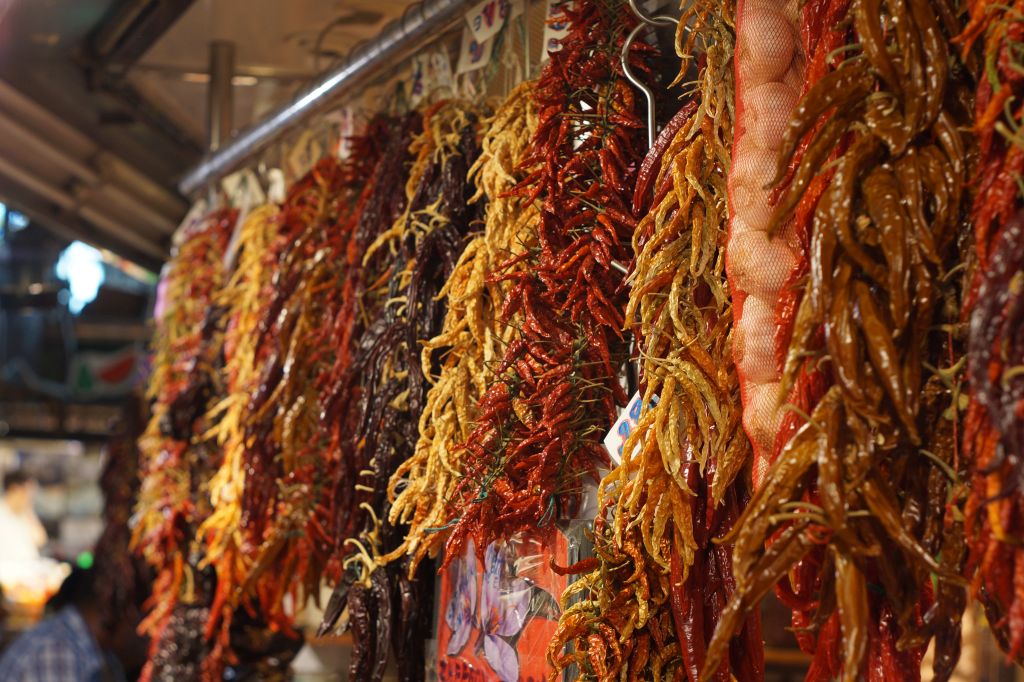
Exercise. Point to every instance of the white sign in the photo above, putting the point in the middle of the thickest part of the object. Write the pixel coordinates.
(430, 72)
(487, 17)
(629, 417)
(555, 27)
(473, 54)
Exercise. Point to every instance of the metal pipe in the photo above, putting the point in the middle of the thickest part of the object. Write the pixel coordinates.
(220, 95)
(420, 24)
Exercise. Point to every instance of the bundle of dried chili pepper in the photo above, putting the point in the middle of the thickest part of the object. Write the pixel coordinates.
(863, 496)
(243, 299)
(266, 506)
(408, 265)
(994, 426)
(662, 577)
(272, 503)
(556, 389)
(473, 335)
(772, 269)
(176, 460)
(340, 388)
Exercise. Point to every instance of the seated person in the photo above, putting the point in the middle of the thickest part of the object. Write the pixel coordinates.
(68, 645)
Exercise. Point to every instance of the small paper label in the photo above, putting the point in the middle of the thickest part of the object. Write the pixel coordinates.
(487, 17)
(555, 27)
(441, 71)
(342, 126)
(278, 189)
(629, 416)
(243, 189)
(417, 80)
(473, 54)
(430, 72)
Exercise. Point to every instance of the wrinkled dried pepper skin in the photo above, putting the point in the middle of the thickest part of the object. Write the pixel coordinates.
(174, 457)
(379, 394)
(663, 574)
(994, 435)
(539, 428)
(875, 168)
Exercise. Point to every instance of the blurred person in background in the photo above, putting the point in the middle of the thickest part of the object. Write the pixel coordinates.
(72, 644)
(21, 533)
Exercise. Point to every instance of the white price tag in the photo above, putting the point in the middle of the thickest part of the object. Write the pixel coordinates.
(441, 71)
(430, 72)
(417, 80)
(624, 425)
(555, 27)
(342, 125)
(487, 17)
(278, 190)
(473, 54)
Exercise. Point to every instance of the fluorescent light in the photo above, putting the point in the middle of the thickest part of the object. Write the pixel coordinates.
(202, 78)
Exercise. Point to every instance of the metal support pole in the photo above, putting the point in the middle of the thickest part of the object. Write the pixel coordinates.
(420, 24)
(220, 102)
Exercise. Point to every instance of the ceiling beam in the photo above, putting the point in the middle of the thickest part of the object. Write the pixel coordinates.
(50, 215)
(132, 28)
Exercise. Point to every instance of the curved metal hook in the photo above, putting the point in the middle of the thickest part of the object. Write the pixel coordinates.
(643, 87)
(660, 20)
(633, 366)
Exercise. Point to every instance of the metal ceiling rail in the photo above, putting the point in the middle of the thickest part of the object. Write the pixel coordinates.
(419, 24)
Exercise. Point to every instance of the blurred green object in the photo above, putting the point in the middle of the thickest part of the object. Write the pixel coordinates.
(84, 560)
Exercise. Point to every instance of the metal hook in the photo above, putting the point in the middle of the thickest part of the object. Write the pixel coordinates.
(645, 21)
(660, 20)
(633, 366)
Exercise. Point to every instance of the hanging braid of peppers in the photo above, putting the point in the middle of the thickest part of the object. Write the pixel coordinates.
(408, 266)
(473, 335)
(994, 428)
(822, 33)
(648, 608)
(867, 488)
(175, 457)
(542, 420)
(243, 299)
(378, 207)
(272, 506)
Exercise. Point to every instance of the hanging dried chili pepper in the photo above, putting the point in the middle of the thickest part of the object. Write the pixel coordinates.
(863, 496)
(556, 388)
(994, 426)
(662, 578)
(473, 335)
(406, 267)
(175, 459)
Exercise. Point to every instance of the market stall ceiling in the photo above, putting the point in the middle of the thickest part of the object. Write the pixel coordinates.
(91, 162)
(73, 157)
(280, 46)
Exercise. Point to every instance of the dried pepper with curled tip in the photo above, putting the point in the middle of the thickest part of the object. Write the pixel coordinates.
(860, 508)
(407, 266)
(650, 606)
(555, 390)
(270, 533)
(175, 458)
(994, 425)
(473, 335)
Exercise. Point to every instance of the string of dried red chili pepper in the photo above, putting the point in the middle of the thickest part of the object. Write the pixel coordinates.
(994, 426)
(176, 460)
(541, 423)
